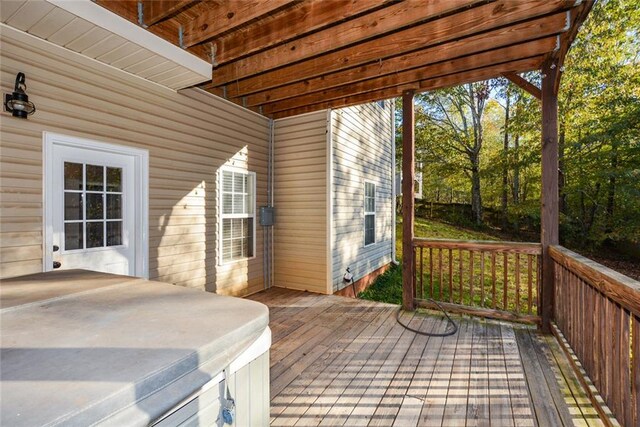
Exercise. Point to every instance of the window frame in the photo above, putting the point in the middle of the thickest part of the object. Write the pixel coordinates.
(221, 216)
(367, 213)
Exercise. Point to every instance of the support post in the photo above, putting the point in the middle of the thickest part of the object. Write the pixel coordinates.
(408, 177)
(549, 196)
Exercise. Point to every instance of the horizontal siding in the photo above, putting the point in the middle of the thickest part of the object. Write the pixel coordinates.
(300, 191)
(362, 150)
(189, 135)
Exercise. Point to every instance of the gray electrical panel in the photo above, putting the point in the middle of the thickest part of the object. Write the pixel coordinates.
(267, 215)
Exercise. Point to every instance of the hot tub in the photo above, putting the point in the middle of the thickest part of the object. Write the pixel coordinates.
(85, 348)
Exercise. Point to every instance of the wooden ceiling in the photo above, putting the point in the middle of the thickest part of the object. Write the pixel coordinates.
(287, 57)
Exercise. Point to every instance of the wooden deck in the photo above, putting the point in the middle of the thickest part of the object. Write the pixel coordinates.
(340, 361)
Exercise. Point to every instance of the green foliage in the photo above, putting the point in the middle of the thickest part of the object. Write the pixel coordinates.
(599, 137)
(387, 287)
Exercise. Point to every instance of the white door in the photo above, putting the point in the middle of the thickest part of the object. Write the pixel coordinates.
(93, 216)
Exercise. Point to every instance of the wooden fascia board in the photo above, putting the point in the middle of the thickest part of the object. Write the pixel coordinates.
(520, 66)
(226, 16)
(482, 60)
(501, 37)
(476, 20)
(524, 84)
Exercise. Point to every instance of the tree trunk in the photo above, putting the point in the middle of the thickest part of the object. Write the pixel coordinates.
(476, 196)
(611, 190)
(505, 164)
(516, 171)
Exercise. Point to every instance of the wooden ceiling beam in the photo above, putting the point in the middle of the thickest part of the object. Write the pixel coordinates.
(383, 21)
(226, 16)
(524, 84)
(297, 21)
(501, 37)
(482, 60)
(155, 11)
(479, 19)
(493, 71)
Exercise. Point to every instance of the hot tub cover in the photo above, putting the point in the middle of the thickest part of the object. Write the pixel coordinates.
(83, 348)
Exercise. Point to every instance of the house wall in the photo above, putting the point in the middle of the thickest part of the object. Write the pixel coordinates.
(300, 199)
(362, 150)
(189, 135)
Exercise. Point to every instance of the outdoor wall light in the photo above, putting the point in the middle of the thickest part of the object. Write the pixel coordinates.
(17, 103)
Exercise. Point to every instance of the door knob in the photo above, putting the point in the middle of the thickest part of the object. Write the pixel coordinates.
(57, 264)
(56, 248)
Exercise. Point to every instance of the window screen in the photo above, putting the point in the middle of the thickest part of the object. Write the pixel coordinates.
(237, 215)
(369, 213)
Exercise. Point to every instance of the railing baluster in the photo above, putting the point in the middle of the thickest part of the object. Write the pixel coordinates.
(517, 283)
(505, 282)
(440, 285)
(471, 256)
(529, 282)
(460, 261)
(431, 272)
(421, 274)
(481, 278)
(635, 392)
(476, 287)
(450, 275)
(493, 280)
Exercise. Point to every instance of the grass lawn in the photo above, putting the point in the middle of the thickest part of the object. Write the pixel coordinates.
(388, 287)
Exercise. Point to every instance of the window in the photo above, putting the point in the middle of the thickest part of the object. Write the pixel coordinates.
(237, 215)
(93, 213)
(369, 213)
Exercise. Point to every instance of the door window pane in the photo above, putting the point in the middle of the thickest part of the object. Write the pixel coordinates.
(72, 206)
(95, 234)
(114, 206)
(72, 176)
(95, 208)
(73, 236)
(114, 179)
(95, 178)
(114, 233)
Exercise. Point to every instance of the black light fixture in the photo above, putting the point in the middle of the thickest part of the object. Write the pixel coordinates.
(17, 103)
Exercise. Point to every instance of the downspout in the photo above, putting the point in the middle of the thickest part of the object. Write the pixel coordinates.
(272, 141)
(268, 230)
(393, 180)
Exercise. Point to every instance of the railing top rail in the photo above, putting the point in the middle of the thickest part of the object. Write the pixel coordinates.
(480, 245)
(622, 289)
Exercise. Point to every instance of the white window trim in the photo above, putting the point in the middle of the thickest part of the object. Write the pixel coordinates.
(221, 216)
(141, 182)
(365, 213)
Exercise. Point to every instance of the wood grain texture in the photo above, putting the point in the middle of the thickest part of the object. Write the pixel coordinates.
(408, 202)
(492, 40)
(595, 321)
(363, 369)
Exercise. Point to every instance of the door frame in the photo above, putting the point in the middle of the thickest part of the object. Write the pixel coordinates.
(141, 187)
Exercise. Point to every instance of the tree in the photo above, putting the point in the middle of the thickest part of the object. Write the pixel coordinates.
(450, 122)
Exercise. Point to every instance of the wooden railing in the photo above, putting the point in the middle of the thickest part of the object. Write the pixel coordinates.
(597, 314)
(482, 278)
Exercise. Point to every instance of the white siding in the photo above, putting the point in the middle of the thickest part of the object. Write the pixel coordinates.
(300, 180)
(189, 135)
(361, 143)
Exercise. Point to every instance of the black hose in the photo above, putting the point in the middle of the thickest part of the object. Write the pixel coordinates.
(446, 333)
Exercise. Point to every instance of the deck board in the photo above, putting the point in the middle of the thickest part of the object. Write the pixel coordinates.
(339, 361)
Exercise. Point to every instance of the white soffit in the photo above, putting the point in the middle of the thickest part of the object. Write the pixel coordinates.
(93, 31)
